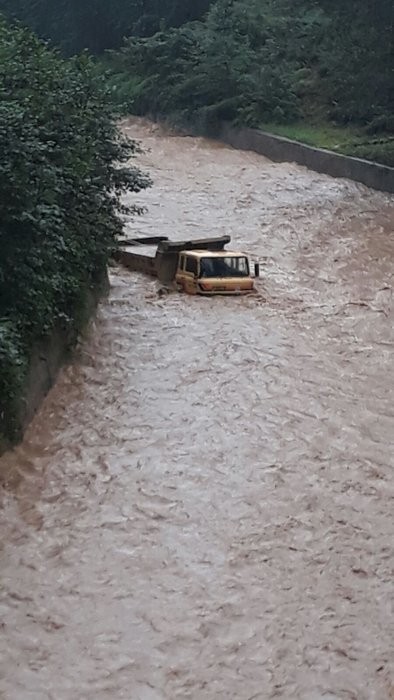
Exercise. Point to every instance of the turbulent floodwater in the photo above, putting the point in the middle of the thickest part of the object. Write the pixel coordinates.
(203, 508)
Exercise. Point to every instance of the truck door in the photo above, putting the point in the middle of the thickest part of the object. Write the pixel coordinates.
(180, 273)
(191, 274)
(187, 273)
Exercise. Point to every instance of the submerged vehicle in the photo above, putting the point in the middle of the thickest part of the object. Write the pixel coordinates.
(213, 272)
(196, 267)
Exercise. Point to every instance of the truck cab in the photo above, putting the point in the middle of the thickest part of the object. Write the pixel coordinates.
(213, 272)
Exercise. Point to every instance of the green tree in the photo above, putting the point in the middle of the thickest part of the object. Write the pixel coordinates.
(254, 61)
(229, 67)
(97, 25)
(63, 169)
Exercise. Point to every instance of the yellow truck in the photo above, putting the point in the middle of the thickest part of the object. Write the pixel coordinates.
(196, 266)
(213, 272)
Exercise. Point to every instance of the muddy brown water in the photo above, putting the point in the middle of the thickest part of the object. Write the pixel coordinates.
(203, 508)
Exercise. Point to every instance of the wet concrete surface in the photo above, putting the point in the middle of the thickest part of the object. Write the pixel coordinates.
(203, 508)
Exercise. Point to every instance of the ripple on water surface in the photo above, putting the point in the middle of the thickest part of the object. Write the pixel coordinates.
(203, 507)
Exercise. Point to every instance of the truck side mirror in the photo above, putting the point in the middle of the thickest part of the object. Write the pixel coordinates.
(257, 269)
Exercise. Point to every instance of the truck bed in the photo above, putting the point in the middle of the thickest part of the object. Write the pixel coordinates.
(158, 257)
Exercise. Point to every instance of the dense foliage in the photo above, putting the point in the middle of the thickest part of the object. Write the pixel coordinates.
(259, 61)
(62, 170)
(256, 62)
(97, 25)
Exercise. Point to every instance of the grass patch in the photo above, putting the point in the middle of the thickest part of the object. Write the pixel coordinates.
(322, 136)
(350, 141)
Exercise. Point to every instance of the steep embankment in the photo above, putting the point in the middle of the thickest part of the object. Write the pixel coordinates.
(316, 71)
(59, 197)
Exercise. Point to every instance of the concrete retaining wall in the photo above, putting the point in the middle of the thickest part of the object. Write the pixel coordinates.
(277, 148)
(46, 359)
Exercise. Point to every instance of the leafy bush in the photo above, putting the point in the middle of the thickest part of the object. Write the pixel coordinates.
(225, 68)
(63, 168)
(253, 61)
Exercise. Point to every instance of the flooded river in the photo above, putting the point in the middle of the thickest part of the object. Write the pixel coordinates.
(203, 508)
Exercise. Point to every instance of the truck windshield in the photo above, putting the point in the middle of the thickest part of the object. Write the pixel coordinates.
(224, 267)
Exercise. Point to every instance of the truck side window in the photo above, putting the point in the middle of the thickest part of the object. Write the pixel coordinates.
(181, 262)
(191, 265)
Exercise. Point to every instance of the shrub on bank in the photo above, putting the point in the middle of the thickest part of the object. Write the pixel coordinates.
(259, 61)
(63, 168)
